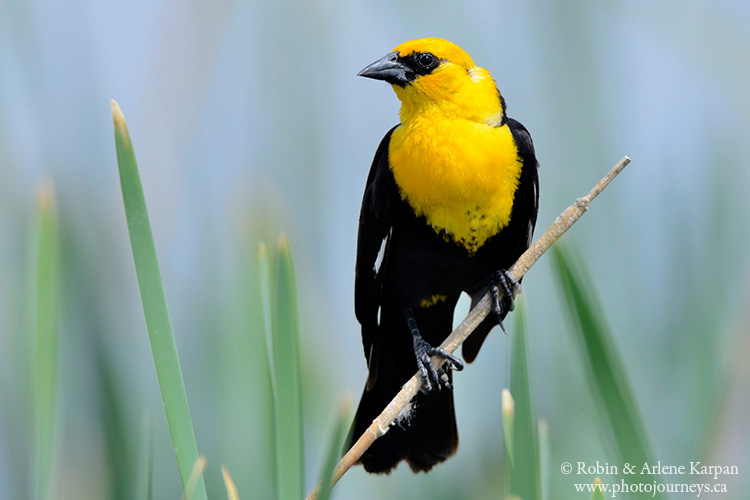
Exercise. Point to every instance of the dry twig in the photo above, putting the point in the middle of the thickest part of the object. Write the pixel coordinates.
(402, 400)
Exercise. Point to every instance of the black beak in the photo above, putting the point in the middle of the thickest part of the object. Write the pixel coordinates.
(390, 69)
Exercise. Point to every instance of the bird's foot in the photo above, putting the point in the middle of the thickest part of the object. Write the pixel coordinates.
(432, 379)
(502, 281)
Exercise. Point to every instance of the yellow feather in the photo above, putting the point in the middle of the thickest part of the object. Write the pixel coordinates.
(450, 160)
(432, 300)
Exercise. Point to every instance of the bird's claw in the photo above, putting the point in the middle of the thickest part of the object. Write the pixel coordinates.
(432, 379)
(502, 280)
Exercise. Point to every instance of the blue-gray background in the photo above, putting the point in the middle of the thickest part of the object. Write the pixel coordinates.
(247, 119)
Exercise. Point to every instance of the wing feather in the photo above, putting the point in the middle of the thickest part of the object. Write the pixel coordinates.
(375, 223)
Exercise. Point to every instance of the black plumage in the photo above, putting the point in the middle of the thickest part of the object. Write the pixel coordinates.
(401, 262)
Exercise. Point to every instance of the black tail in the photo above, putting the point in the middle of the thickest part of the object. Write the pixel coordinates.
(424, 437)
(427, 434)
(472, 345)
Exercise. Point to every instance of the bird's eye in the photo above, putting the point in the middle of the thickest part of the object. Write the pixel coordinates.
(427, 60)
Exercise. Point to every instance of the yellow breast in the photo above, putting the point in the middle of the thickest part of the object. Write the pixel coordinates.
(459, 174)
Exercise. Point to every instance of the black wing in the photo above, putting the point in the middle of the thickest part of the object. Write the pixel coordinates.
(375, 222)
(516, 237)
(529, 181)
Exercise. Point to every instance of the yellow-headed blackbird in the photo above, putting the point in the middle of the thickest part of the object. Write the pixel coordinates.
(450, 203)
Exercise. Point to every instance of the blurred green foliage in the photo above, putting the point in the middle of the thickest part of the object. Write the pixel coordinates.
(338, 434)
(45, 283)
(287, 395)
(524, 467)
(155, 311)
(604, 370)
(598, 494)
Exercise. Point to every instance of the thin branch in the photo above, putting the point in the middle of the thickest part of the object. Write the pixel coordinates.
(402, 400)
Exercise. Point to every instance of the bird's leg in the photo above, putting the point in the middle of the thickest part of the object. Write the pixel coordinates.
(431, 379)
(502, 280)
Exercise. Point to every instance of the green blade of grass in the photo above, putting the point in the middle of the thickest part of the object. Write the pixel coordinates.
(113, 415)
(155, 310)
(509, 410)
(286, 369)
(195, 475)
(264, 272)
(334, 448)
(604, 368)
(598, 493)
(544, 458)
(45, 333)
(267, 343)
(146, 462)
(524, 469)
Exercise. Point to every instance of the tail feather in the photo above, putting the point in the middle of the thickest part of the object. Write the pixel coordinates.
(471, 345)
(435, 435)
(389, 450)
(425, 436)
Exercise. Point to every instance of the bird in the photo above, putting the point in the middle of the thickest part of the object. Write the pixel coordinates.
(450, 203)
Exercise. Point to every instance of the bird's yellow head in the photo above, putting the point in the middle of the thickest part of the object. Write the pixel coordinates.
(434, 76)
